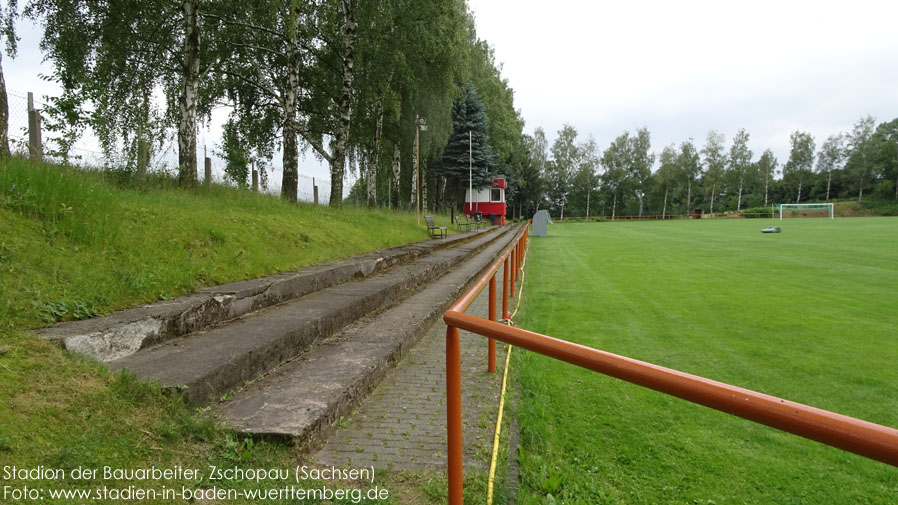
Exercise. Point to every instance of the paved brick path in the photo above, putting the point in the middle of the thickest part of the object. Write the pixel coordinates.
(402, 424)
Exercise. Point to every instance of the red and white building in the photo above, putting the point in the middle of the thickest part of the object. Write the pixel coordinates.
(489, 201)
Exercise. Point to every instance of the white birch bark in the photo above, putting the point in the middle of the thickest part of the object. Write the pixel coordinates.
(375, 156)
(187, 166)
(739, 199)
(397, 169)
(341, 137)
(290, 157)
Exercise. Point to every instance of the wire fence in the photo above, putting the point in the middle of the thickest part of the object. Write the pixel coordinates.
(86, 153)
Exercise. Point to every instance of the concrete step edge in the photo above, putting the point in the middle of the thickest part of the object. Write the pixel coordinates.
(365, 363)
(125, 332)
(229, 368)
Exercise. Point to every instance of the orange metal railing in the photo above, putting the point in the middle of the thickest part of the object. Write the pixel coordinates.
(854, 435)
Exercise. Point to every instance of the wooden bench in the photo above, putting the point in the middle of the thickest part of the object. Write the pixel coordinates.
(433, 229)
(459, 225)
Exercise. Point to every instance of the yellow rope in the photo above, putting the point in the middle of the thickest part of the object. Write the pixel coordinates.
(492, 474)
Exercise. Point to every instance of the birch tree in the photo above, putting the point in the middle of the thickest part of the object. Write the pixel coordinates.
(689, 166)
(715, 163)
(587, 173)
(740, 162)
(766, 167)
(615, 161)
(830, 158)
(666, 174)
(269, 45)
(801, 160)
(325, 124)
(860, 145)
(566, 158)
(640, 163)
(116, 54)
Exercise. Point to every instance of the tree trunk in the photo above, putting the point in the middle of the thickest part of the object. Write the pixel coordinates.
(562, 210)
(4, 115)
(341, 139)
(397, 167)
(767, 183)
(614, 206)
(289, 183)
(375, 156)
(290, 179)
(664, 208)
(191, 75)
(688, 196)
(829, 179)
(712, 200)
(739, 199)
(860, 193)
(640, 205)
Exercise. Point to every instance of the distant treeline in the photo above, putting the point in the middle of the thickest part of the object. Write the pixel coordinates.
(575, 178)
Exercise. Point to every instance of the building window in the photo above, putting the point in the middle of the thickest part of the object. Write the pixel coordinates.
(495, 195)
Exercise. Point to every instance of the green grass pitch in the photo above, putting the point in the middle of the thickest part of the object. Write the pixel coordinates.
(810, 315)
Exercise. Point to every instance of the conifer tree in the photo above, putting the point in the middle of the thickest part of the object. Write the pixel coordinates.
(468, 115)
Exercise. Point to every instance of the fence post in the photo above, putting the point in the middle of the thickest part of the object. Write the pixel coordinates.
(453, 414)
(505, 274)
(35, 146)
(491, 361)
(514, 268)
(314, 191)
(255, 180)
(207, 180)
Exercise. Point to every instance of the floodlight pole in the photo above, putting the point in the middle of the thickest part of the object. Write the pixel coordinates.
(420, 124)
(471, 171)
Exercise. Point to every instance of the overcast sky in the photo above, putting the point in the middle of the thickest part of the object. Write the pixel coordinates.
(678, 68)
(683, 68)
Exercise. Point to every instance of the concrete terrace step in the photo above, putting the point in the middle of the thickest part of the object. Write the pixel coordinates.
(207, 364)
(305, 398)
(127, 331)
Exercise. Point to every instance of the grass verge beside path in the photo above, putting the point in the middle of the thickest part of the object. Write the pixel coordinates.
(73, 245)
(808, 315)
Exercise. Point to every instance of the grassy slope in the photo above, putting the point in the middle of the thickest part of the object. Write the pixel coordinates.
(808, 315)
(71, 238)
(72, 245)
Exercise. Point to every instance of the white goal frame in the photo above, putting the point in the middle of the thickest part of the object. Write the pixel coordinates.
(830, 205)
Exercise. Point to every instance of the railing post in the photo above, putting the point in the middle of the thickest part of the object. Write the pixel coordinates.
(491, 362)
(514, 268)
(453, 414)
(505, 274)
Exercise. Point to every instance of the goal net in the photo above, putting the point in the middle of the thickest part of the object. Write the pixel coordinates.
(806, 210)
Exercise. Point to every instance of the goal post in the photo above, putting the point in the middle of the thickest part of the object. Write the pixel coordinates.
(807, 207)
